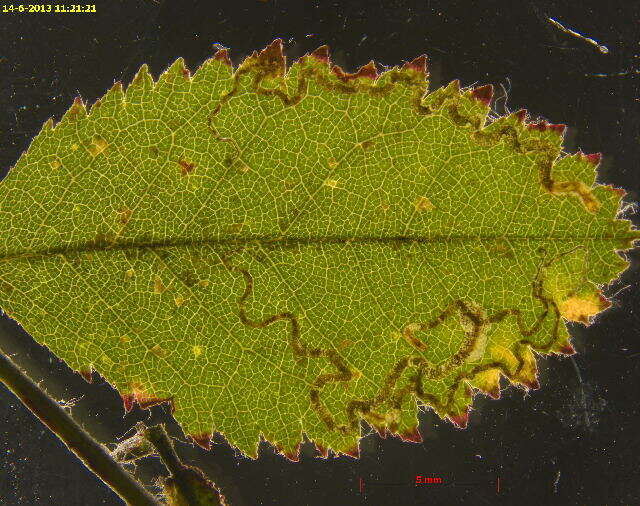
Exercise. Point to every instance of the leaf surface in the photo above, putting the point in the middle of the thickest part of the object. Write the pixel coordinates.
(279, 252)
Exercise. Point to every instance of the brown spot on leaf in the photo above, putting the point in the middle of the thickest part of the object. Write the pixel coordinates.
(235, 228)
(6, 287)
(158, 285)
(124, 215)
(424, 204)
(186, 167)
(98, 145)
(159, 351)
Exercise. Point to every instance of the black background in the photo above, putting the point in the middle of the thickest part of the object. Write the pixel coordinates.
(574, 441)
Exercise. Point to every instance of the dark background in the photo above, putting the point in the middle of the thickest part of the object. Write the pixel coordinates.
(574, 441)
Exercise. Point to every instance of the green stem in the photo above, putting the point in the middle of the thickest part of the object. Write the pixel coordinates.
(93, 454)
(158, 437)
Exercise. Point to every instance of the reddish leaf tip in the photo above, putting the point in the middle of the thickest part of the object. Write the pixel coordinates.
(567, 349)
(146, 402)
(222, 55)
(461, 420)
(412, 436)
(369, 71)
(321, 54)
(127, 401)
(418, 64)
(483, 93)
(87, 374)
(292, 456)
(532, 384)
(494, 393)
(521, 115)
(593, 158)
(324, 452)
(353, 452)
(558, 128)
(202, 440)
(543, 126)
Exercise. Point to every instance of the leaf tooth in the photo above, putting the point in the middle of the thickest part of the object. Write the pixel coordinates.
(412, 435)
(418, 64)
(544, 126)
(128, 401)
(483, 93)
(366, 71)
(86, 373)
(322, 54)
(142, 83)
(593, 158)
(352, 452)
(76, 112)
(521, 115)
(461, 420)
(269, 62)
(322, 450)
(203, 440)
(222, 55)
(175, 75)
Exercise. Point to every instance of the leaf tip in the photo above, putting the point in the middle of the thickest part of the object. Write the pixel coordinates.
(222, 55)
(412, 435)
(531, 384)
(521, 115)
(321, 54)
(203, 440)
(418, 65)
(593, 158)
(368, 71)
(353, 453)
(543, 126)
(567, 349)
(128, 401)
(483, 93)
(86, 373)
(323, 451)
(461, 420)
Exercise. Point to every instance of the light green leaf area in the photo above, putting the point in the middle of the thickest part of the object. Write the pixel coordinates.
(281, 252)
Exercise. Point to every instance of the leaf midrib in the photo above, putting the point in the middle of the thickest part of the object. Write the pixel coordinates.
(91, 247)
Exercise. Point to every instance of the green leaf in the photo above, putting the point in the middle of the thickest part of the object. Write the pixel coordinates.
(280, 252)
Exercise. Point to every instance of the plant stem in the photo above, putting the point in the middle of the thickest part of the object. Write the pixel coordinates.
(192, 487)
(93, 454)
